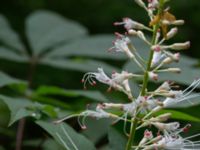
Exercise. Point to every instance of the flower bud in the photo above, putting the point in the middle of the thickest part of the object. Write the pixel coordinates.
(166, 126)
(164, 117)
(156, 48)
(112, 105)
(171, 33)
(153, 4)
(171, 58)
(165, 86)
(180, 46)
(174, 70)
(132, 32)
(178, 22)
(147, 136)
(153, 76)
(140, 3)
(130, 24)
(140, 34)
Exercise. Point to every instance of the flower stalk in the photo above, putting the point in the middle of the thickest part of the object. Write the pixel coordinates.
(139, 111)
(145, 80)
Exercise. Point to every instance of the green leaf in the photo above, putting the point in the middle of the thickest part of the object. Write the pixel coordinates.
(17, 107)
(9, 37)
(78, 65)
(106, 147)
(4, 115)
(116, 140)
(8, 54)
(46, 29)
(48, 144)
(51, 90)
(96, 129)
(180, 115)
(94, 46)
(51, 101)
(66, 136)
(1, 148)
(7, 80)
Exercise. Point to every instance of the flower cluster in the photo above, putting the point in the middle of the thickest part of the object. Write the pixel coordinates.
(162, 26)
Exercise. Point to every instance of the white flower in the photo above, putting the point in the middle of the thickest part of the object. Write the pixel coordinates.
(171, 57)
(119, 78)
(171, 33)
(121, 45)
(118, 81)
(169, 127)
(100, 76)
(152, 4)
(157, 58)
(147, 136)
(165, 86)
(130, 24)
(153, 76)
(180, 96)
(174, 141)
(177, 46)
(99, 113)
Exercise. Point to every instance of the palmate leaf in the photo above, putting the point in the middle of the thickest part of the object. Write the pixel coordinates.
(9, 37)
(46, 29)
(46, 32)
(66, 136)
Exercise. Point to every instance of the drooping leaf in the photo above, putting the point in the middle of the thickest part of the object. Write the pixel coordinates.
(46, 29)
(17, 107)
(9, 37)
(66, 136)
(7, 80)
(50, 90)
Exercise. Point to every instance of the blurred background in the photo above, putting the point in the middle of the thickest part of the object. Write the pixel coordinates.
(98, 16)
(48, 74)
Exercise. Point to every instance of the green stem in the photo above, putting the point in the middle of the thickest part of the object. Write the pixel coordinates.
(145, 80)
